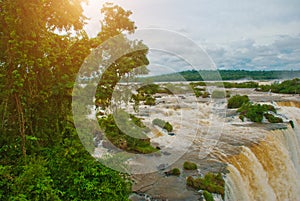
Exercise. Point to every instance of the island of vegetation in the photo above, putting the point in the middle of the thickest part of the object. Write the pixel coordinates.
(210, 183)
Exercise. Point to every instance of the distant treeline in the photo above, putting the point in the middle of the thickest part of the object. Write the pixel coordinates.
(208, 75)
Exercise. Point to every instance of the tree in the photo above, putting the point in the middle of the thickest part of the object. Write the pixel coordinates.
(43, 46)
(37, 66)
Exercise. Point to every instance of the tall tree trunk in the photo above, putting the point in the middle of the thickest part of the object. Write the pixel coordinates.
(21, 125)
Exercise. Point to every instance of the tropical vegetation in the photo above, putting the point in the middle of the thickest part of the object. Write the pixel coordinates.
(43, 45)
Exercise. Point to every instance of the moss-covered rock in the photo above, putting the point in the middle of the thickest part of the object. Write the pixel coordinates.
(189, 165)
(174, 171)
(213, 183)
(272, 119)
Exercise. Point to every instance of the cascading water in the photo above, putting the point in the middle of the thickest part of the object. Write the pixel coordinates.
(269, 170)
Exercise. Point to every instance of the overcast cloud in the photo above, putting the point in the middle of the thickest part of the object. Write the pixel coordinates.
(259, 34)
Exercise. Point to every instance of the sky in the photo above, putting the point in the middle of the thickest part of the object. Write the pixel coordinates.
(236, 34)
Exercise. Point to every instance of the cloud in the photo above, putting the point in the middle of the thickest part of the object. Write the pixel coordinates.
(258, 34)
(282, 54)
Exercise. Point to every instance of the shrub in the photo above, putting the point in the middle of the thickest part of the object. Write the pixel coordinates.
(213, 183)
(161, 123)
(208, 196)
(176, 171)
(272, 119)
(286, 87)
(198, 93)
(150, 100)
(237, 101)
(255, 112)
(189, 165)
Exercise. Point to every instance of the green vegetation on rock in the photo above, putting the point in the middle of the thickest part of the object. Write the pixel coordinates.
(163, 124)
(137, 142)
(208, 196)
(187, 165)
(149, 100)
(255, 112)
(213, 183)
(272, 119)
(237, 101)
(174, 171)
(286, 87)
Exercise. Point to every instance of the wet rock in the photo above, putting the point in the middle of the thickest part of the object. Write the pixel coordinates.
(166, 153)
(162, 166)
(171, 134)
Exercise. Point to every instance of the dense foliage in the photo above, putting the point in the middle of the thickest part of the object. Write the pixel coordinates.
(237, 101)
(62, 172)
(129, 134)
(256, 112)
(43, 45)
(193, 75)
(286, 87)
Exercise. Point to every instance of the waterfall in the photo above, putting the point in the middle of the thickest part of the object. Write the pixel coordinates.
(289, 104)
(290, 141)
(268, 171)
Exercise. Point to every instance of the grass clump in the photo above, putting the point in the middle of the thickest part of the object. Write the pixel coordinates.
(189, 165)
